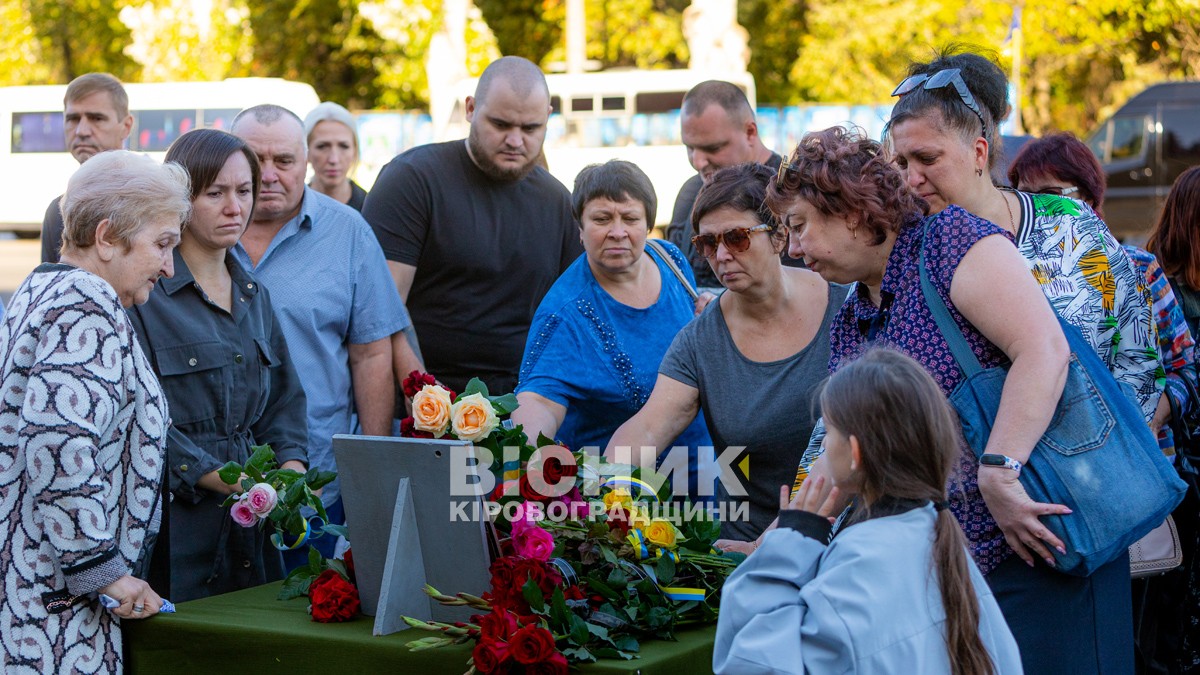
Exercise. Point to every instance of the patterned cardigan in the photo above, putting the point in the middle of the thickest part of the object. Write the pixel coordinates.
(82, 428)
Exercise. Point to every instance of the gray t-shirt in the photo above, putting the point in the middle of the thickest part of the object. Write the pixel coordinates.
(767, 407)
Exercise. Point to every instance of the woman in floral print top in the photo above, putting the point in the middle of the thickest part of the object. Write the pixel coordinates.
(1083, 271)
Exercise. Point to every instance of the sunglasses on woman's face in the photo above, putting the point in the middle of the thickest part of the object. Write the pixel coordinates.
(736, 240)
(1057, 191)
(951, 77)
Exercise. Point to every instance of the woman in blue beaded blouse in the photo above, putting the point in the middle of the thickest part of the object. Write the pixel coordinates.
(598, 337)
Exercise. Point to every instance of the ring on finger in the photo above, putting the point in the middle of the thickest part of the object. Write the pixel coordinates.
(139, 608)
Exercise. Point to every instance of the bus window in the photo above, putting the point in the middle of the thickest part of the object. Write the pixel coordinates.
(659, 101)
(582, 104)
(38, 132)
(555, 105)
(612, 103)
(219, 119)
(157, 129)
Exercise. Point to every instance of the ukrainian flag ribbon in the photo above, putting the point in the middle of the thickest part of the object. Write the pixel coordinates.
(643, 487)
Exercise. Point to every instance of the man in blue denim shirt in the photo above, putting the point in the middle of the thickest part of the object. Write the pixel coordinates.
(332, 290)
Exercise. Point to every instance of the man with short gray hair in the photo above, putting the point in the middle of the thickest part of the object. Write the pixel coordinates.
(330, 285)
(95, 119)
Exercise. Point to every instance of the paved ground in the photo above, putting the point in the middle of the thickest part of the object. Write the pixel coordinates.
(18, 257)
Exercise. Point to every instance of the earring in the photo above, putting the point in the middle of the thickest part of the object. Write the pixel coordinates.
(978, 172)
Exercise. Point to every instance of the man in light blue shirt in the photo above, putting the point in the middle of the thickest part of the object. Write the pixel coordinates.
(330, 284)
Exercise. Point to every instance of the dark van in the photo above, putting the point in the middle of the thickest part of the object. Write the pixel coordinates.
(1144, 147)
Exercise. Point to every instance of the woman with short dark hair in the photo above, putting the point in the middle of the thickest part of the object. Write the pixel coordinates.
(751, 361)
(600, 333)
(214, 340)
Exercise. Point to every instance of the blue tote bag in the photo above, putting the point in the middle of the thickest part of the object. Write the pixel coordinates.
(1097, 457)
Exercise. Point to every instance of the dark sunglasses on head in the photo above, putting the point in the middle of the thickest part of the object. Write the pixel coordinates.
(736, 240)
(1057, 191)
(785, 168)
(940, 79)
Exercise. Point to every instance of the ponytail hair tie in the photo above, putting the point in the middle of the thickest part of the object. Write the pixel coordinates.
(941, 506)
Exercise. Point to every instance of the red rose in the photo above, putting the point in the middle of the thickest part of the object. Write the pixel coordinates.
(408, 429)
(532, 644)
(499, 625)
(529, 493)
(552, 471)
(322, 579)
(555, 665)
(333, 598)
(573, 592)
(415, 380)
(489, 656)
(542, 574)
(502, 576)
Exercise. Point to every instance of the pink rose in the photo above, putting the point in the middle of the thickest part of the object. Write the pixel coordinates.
(533, 542)
(261, 498)
(527, 515)
(242, 514)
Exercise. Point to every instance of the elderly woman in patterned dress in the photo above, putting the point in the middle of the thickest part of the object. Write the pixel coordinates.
(83, 423)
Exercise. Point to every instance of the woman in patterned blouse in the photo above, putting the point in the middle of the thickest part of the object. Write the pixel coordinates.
(942, 132)
(83, 422)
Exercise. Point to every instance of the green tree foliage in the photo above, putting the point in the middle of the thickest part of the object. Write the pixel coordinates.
(775, 29)
(1083, 59)
(327, 43)
(637, 33)
(80, 36)
(178, 42)
(855, 51)
(20, 60)
(528, 28)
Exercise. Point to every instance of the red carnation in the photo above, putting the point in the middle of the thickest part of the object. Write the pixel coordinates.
(408, 429)
(415, 380)
(573, 592)
(555, 665)
(532, 644)
(489, 656)
(333, 598)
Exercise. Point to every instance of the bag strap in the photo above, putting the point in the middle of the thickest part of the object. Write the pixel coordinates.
(662, 253)
(967, 361)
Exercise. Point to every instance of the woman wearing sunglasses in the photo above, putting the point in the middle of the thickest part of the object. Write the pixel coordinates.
(601, 331)
(943, 137)
(751, 361)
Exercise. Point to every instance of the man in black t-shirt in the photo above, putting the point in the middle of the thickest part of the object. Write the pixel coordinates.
(475, 232)
(718, 129)
(95, 119)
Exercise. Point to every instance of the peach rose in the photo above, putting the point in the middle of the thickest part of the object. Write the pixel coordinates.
(473, 418)
(432, 410)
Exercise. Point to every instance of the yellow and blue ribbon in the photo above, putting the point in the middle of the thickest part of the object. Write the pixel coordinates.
(643, 487)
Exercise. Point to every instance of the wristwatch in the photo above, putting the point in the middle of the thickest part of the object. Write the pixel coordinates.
(1004, 461)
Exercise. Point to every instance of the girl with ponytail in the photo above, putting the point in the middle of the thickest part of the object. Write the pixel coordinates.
(889, 586)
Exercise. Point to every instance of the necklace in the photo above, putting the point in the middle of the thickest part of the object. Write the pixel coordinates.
(1012, 222)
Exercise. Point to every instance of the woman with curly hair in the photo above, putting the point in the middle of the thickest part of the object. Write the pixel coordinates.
(851, 216)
